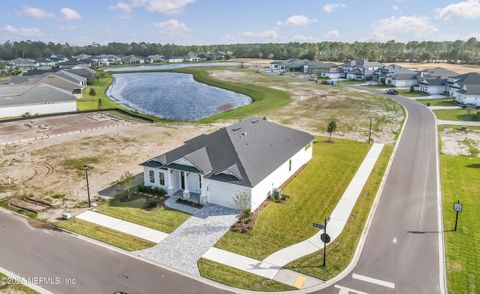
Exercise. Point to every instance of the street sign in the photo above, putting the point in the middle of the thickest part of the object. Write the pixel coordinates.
(325, 238)
(328, 220)
(319, 226)
(457, 207)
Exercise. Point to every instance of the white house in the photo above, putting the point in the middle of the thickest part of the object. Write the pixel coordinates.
(432, 86)
(465, 88)
(277, 66)
(403, 80)
(37, 99)
(174, 59)
(253, 156)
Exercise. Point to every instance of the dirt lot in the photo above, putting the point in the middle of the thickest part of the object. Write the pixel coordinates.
(51, 169)
(315, 105)
(457, 141)
(55, 125)
(459, 68)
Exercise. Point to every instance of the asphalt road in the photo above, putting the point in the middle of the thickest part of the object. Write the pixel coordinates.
(401, 249)
(30, 253)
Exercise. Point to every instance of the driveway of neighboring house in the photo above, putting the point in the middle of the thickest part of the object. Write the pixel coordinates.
(182, 249)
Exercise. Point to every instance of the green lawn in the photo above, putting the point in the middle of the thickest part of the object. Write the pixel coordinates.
(313, 195)
(14, 288)
(407, 93)
(460, 181)
(456, 114)
(379, 86)
(340, 252)
(240, 279)
(438, 102)
(106, 235)
(349, 82)
(161, 219)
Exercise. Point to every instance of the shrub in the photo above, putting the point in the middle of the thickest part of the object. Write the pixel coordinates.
(246, 213)
(151, 203)
(155, 191)
(412, 89)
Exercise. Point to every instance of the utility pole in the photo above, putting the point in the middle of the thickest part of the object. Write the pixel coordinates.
(85, 167)
(370, 131)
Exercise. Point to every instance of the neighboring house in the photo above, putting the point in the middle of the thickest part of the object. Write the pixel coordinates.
(79, 80)
(333, 73)
(403, 80)
(155, 58)
(173, 59)
(465, 88)
(253, 156)
(277, 66)
(82, 56)
(83, 71)
(50, 78)
(295, 65)
(191, 57)
(45, 62)
(432, 86)
(32, 100)
(58, 58)
(382, 73)
(317, 67)
(24, 63)
(132, 59)
(362, 69)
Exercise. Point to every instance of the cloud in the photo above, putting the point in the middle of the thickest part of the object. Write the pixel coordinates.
(265, 35)
(37, 13)
(333, 34)
(395, 7)
(393, 27)
(69, 14)
(330, 7)
(305, 39)
(161, 6)
(297, 20)
(21, 33)
(462, 10)
(172, 27)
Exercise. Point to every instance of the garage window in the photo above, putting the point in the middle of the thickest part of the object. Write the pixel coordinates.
(151, 174)
(161, 176)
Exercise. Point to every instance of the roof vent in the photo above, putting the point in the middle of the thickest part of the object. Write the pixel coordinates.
(236, 129)
(255, 121)
(244, 134)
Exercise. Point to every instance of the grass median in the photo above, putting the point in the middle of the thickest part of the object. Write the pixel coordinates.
(460, 182)
(438, 102)
(408, 93)
(456, 114)
(105, 235)
(10, 285)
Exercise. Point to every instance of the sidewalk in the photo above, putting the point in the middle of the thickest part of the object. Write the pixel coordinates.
(123, 226)
(271, 266)
(459, 123)
(443, 107)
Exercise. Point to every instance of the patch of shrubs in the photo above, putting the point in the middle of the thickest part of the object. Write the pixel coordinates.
(155, 191)
(151, 203)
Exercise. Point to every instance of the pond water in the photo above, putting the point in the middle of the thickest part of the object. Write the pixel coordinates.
(170, 66)
(172, 95)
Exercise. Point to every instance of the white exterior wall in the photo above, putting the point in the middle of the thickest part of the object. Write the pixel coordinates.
(222, 193)
(468, 99)
(403, 83)
(279, 176)
(333, 75)
(12, 111)
(156, 173)
(433, 90)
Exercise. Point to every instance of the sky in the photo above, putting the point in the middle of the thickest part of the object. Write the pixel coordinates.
(197, 22)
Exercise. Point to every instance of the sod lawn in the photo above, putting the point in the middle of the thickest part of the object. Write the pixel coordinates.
(313, 195)
(13, 287)
(162, 219)
(460, 181)
(105, 235)
(438, 102)
(456, 114)
(238, 278)
(407, 93)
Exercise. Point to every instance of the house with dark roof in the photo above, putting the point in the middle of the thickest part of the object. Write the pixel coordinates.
(405, 79)
(465, 88)
(317, 67)
(277, 66)
(40, 98)
(434, 81)
(296, 65)
(360, 69)
(253, 156)
(132, 59)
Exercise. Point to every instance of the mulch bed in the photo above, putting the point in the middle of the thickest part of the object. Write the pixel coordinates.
(250, 222)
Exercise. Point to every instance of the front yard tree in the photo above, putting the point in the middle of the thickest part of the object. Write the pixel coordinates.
(241, 201)
(128, 181)
(412, 89)
(100, 104)
(332, 126)
(92, 92)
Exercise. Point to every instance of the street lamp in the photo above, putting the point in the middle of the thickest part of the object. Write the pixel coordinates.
(370, 130)
(86, 167)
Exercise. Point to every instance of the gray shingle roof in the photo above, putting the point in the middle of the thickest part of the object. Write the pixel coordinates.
(38, 94)
(250, 149)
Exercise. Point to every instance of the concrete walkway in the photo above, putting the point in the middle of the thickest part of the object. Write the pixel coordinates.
(444, 107)
(123, 226)
(459, 123)
(270, 267)
(182, 248)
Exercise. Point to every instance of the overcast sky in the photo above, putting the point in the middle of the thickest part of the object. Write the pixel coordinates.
(229, 21)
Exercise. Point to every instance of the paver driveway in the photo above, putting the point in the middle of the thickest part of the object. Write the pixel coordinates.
(182, 249)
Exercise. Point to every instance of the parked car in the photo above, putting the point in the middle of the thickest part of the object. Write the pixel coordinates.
(313, 78)
(391, 92)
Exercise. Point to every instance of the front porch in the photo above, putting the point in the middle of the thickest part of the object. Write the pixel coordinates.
(193, 197)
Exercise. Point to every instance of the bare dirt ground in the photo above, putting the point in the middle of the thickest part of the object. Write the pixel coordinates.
(456, 141)
(51, 169)
(314, 105)
(459, 68)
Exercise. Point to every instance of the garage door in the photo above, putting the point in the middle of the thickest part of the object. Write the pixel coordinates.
(222, 195)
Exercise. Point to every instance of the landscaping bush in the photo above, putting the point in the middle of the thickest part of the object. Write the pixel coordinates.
(325, 82)
(412, 89)
(151, 204)
(155, 191)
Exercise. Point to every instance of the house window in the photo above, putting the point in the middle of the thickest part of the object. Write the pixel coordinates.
(151, 174)
(161, 176)
(290, 165)
(200, 181)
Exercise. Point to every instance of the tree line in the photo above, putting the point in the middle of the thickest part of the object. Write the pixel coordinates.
(391, 51)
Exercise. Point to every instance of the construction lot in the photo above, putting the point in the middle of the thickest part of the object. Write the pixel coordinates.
(36, 128)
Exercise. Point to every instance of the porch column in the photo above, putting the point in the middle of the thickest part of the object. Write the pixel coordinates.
(169, 182)
(186, 192)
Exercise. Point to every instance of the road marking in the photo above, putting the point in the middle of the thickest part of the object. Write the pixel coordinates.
(299, 282)
(345, 290)
(374, 281)
(395, 240)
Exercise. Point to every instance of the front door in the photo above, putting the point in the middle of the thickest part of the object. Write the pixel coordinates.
(182, 180)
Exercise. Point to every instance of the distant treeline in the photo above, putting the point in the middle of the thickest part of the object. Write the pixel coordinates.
(391, 51)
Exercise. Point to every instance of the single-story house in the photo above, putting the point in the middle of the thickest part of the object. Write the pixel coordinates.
(132, 59)
(191, 57)
(317, 67)
(403, 80)
(23, 62)
(155, 58)
(333, 73)
(295, 65)
(252, 157)
(432, 86)
(465, 88)
(83, 71)
(174, 59)
(38, 99)
(277, 66)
